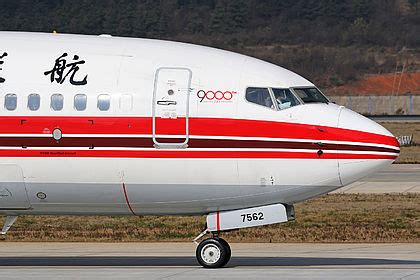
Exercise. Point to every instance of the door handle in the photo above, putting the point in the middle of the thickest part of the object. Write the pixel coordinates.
(166, 102)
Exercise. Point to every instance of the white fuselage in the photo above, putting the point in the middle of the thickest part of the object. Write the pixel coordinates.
(179, 136)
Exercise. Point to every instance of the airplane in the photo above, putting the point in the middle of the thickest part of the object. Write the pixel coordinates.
(103, 125)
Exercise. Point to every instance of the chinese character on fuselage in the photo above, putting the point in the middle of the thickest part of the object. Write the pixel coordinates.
(62, 70)
(2, 80)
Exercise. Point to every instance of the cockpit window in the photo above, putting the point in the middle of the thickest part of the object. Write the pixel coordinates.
(285, 98)
(311, 95)
(260, 96)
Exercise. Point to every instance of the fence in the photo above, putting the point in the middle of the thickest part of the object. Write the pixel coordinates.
(381, 105)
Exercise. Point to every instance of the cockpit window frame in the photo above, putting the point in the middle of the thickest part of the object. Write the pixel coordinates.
(275, 108)
(291, 91)
(273, 99)
(309, 87)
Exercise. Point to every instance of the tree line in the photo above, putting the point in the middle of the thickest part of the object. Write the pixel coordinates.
(312, 25)
(342, 22)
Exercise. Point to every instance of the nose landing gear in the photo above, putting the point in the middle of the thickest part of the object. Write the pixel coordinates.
(213, 252)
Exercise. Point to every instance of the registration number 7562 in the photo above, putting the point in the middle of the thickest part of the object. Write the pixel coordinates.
(249, 217)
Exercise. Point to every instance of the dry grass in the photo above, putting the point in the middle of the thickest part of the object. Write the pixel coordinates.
(408, 154)
(331, 218)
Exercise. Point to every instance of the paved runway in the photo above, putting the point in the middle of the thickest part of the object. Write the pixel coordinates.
(177, 261)
(402, 118)
(398, 178)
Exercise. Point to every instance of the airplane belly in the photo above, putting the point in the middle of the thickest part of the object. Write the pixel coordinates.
(77, 199)
(170, 186)
(68, 186)
(13, 195)
(289, 172)
(202, 186)
(287, 180)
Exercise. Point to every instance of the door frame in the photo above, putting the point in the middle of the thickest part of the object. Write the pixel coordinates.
(181, 145)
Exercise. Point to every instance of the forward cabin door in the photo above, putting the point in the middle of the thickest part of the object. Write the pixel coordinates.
(13, 193)
(171, 107)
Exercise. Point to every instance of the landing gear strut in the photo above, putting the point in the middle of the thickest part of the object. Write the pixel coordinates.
(213, 252)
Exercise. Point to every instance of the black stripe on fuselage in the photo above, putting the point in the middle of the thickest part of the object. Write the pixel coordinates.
(132, 142)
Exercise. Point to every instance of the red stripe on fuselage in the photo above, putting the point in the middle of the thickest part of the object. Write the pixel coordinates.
(187, 154)
(218, 221)
(197, 126)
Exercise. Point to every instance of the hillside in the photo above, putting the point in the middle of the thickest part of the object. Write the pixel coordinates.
(387, 84)
(328, 41)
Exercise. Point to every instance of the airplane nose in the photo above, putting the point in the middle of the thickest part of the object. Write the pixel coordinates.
(371, 147)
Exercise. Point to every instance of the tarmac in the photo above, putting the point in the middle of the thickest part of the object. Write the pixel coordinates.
(177, 261)
(249, 261)
(397, 178)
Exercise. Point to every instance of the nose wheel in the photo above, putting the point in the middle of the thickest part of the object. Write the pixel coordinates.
(213, 253)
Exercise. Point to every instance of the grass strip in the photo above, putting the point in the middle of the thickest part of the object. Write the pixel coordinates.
(330, 218)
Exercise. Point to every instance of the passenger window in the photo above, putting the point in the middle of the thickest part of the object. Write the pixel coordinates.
(34, 101)
(104, 102)
(10, 102)
(260, 96)
(285, 98)
(80, 102)
(57, 102)
(126, 102)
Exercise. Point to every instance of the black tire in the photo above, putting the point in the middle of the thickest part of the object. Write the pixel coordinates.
(228, 251)
(211, 253)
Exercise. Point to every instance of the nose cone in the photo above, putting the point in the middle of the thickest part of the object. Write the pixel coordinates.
(354, 121)
(371, 147)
